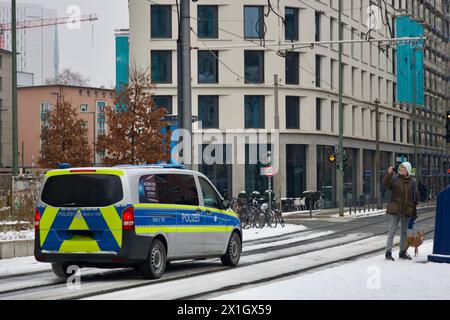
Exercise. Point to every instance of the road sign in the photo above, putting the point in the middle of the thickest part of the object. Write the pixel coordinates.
(268, 171)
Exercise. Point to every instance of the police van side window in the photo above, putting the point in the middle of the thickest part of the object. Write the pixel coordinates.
(210, 197)
(168, 189)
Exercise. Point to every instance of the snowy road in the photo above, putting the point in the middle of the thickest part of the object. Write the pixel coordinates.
(265, 257)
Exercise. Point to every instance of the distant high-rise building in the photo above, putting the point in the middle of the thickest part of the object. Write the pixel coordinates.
(37, 47)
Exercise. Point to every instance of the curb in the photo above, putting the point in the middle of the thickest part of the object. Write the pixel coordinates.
(16, 248)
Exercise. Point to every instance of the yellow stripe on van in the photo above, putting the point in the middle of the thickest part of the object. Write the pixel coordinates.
(98, 171)
(114, 222)
(79, 244)
(163, 206)
(46, 222)
(183, 229)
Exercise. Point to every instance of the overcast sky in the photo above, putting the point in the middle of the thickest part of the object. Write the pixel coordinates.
(96, 62)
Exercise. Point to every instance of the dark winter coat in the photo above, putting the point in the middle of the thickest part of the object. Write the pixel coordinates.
(404, 195)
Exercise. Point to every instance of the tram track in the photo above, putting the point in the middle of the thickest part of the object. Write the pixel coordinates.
(178, 271)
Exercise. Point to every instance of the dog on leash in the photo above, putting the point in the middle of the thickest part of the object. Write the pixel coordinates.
(415, 240)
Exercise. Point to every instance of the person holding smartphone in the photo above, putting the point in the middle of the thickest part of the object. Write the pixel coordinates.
(401, 207)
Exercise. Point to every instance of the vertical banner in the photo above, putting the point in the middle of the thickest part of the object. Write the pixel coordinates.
(406, 70)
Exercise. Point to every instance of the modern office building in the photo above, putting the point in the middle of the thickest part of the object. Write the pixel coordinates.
(38, 47)
(238, 47)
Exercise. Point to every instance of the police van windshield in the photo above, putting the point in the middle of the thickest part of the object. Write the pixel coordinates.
(82, 190)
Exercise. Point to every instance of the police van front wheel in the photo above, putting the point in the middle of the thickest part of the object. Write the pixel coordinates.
(155, 265)
(233, 254)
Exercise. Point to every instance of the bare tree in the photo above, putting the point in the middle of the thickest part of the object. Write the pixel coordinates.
(69, 77)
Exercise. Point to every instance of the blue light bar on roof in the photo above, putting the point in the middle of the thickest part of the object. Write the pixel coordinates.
(160, 165)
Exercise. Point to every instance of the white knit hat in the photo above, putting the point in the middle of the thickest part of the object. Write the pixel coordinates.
(407, 166)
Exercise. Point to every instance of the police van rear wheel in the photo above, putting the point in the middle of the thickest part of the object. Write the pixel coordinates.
(233, 254)
(60, 270)
(155, 265)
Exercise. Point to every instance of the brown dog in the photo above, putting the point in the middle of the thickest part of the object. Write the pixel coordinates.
(416, 240)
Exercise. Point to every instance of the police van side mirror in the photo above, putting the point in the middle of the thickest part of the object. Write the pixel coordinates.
(226, 204)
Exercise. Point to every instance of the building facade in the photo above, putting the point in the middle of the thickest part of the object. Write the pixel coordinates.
(34, 102)
(38, 48)
(5, 109)
(238, 47)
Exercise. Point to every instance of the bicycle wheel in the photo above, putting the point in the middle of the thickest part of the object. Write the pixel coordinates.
(268, 214)
(280, 219)
(274, 219)
(319, 205)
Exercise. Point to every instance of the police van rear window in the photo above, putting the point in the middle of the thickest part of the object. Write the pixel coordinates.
(82, 190)
(168, 189)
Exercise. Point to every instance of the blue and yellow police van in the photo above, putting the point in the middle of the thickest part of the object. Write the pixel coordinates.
(132, 216)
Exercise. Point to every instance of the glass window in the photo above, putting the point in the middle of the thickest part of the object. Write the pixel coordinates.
(208, 111)
(82, 190)
(318, 70)
(218, 170)
(253, 21)
(210, 197)
(318, 114)
(295, 170)
(164, 102)
(207, 21)
(292, 67)
(83, 108)
(254, 112)
(291, 24)
(161, 21)
(255, 160)
(168, 189)
(207, 66)
(254, 66)
(317, 20)
(292, 112)
(161, 66)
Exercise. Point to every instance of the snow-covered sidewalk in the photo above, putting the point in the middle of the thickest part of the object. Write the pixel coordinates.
(370, 278)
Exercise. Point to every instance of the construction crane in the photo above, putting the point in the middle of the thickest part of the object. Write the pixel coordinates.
(43, 23)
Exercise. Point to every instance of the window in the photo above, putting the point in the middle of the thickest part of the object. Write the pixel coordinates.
(292, 68)
(254, 66)
(208, 67)
(168, 189)
(317, 20)
(161, 24)
(101, 118)
(210, 196)
(318, 70)
(254, 112)
(46, 108)
(253, 21)
(292, 112)
(162, 66)
(164, 102)
(394, 128)
(291, 24)
(208, 111)
(318, 114)
(83, 108)
(82, 190)
(207, 25)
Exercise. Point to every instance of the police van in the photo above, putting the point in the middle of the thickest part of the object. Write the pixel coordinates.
(140, 217)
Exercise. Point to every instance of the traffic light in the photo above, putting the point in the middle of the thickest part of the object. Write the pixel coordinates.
(332, 158)
(447, 126)
(345, 161)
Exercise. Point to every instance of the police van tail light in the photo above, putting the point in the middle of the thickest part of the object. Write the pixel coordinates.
(37, 219)
(128, 219)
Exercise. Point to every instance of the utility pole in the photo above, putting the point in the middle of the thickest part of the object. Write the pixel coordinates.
(15, 146)
(340, 170)
(184, 77)
(277, 179)
(377, 154)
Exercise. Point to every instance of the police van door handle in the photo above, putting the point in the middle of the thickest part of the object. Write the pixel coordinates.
(208, 212)
(199, 211)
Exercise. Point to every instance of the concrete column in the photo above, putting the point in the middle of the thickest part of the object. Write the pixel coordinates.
(311, 165)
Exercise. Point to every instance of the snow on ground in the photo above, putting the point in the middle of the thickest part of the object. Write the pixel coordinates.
(266, 232)
(370, 279)
(21, 265)
(16, 235)
(376, 212)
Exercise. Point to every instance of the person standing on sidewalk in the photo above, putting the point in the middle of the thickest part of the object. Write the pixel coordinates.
(401, 207)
